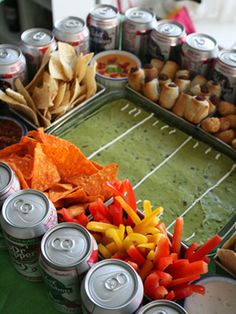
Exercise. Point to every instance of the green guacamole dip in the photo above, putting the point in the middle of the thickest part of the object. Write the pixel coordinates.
(165, 165)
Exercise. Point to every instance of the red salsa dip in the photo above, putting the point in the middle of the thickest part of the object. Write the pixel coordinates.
(10, 132)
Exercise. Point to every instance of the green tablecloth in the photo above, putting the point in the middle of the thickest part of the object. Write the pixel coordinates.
(18, 296)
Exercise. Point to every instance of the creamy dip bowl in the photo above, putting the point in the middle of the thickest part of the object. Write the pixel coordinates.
(219, 298)
(113, 67)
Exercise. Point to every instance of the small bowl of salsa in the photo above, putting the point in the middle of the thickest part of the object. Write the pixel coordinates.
(11, 131)
(113, 66)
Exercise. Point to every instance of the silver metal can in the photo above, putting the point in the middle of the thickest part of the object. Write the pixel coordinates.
(73, 31)
(26, 216)
(162, 307)
(165, 40)
(111, 286)
(137, 26)
(34, 43)
(67, 252)
(12, 66)
(225, 74)
(103, 22)
(9, 184)
(199, 53)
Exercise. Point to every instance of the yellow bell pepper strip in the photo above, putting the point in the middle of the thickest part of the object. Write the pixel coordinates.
(145, 269)
(104, 251)
(147, 208)
(130, 212)
(148, 221)
(121, 231)
(127, 243)
(149, 246)
(129, 229)
(137, 238)
(114, 235)
(112, 247)
(154, 237)
(151, 255)
(152, 230)
(96, 226)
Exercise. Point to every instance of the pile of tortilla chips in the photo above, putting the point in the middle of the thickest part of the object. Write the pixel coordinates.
(63, 81)
(59, 169)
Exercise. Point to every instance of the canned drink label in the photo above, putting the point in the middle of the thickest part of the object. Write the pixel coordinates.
(64, 288)
(159, 50)
(228, 85)
(103, 39)
(3, 244)
(24, 255)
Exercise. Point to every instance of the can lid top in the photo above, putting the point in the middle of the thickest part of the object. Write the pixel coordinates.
(139, 15)
(5, 176)
(9, 54)
(112, 284)
(71, 25)
(25, 208)
(104, 11)
(201, 42)
(162, 307)
(37, 37)
(66, 245)
(228, 57)
(169, 28)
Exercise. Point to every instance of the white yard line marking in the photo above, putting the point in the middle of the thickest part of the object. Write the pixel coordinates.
(207, 151)
(164, 127)
(196, 145)
(205, 193)
(217, 156)
(137, 113)
(120, 136)
(155, 123)
(125, 107)
(190, 237)
(162, 163)
(172, 131)
(132, 110)
(139, 201)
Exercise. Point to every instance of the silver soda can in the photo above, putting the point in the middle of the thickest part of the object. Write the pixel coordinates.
(73, 31)
(104, 23)
(67, 252)
(26, 216)
(162, 307)
(137, 26)
(9, 184)
(12, 66)
(34, 43)
(199, 53)
(111, 286)
(166, 39)
(225, 74)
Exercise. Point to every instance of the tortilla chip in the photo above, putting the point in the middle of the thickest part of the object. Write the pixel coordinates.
(26, 112)
(89, 81)
(24, 164)
(81, 65)
(67, 56)
(17, 96)
(95, 183)
(55, 67)
(62, 87)
(45, 173)
(20, 176)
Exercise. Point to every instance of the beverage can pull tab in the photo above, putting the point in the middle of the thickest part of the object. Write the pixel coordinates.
(116, 282)
(61, 244)
(23, 207)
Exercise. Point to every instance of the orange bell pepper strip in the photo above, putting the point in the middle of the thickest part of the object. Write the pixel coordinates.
(129, 210)
(177, 235)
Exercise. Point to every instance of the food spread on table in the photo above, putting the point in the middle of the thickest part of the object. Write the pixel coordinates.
(116, 198)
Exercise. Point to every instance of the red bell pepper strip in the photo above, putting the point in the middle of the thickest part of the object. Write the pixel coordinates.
(165, 278)
(191, 269)
(114, 189)
(162, 250)
(134, 265)
(160, 293)
(150, 284)
(206, 248)
(180, 281)
(190, 250)
(117, 213)
(66, 216)
(136, 255)
(82, 219)
(100, 212)
(130, 194)
(170, 295)
(185, 290)
(177, 235)
(164, 262)
(145, 269)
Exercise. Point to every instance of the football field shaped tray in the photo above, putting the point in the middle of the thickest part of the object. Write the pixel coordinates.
(167, 160)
